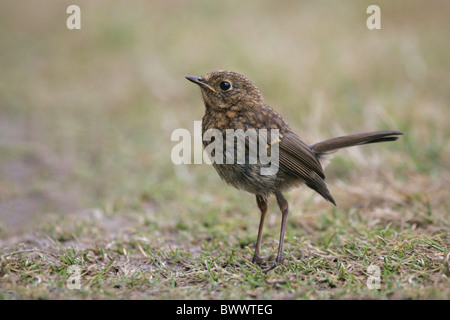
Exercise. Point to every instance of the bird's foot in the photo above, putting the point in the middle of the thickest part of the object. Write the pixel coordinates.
(273, 266)
(257, 259)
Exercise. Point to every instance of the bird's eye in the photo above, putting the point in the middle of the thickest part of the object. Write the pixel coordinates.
(225, 85)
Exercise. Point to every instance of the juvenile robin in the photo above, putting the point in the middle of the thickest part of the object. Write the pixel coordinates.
(233, 102)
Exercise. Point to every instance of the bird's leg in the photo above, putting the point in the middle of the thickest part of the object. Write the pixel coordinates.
(284, 207)
(262, 204)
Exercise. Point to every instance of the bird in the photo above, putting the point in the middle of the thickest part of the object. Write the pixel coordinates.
(233, 102)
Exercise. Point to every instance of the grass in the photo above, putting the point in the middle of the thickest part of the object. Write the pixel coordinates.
(86, 178)
(134, 267)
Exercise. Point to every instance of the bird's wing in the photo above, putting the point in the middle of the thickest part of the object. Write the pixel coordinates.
(297, 159)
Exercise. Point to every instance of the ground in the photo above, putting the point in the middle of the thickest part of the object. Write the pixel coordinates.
(86, 178)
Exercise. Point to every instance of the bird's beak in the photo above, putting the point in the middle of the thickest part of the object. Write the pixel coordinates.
(200, 82)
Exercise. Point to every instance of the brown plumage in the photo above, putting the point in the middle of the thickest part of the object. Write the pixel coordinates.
(234, 102)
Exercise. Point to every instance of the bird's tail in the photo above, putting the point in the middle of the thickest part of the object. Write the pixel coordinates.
(330, 145)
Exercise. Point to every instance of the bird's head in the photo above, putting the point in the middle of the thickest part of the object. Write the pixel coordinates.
(227, 89)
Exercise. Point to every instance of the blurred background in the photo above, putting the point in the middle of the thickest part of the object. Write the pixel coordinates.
(86, 115)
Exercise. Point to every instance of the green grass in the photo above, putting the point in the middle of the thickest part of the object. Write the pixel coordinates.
(415, 267)
(86, 178)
